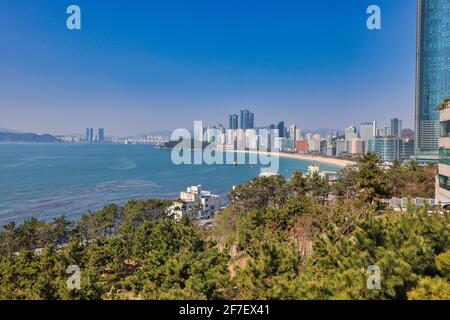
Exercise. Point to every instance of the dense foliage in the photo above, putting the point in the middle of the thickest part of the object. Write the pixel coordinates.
(277, 239)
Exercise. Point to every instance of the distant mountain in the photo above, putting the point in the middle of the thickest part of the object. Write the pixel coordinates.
(322, 131)
(172, 144)
(9, 131)
(408, 134)
(26, 137)
(159, 133)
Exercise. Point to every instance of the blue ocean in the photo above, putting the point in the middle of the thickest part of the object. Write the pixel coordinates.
(50, 180)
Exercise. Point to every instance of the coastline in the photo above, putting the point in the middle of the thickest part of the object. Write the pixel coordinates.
(124, 174)
(337, 162)
(342, 163)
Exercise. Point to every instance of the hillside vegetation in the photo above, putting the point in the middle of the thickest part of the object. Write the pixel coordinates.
(277, 239)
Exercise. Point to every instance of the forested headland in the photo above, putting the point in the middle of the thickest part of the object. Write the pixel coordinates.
(277, 239)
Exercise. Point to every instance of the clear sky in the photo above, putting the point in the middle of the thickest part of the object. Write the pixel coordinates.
(138, 66)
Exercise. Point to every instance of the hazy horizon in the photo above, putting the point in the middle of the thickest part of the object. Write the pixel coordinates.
(140, 67)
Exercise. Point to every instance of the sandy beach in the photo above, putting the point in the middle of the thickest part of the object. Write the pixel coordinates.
(337, 162)
(334, 161)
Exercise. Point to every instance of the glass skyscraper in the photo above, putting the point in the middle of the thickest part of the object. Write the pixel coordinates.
(281, 129)
(396, 127)
(101, 135)
(89, 135)
(251, 120)
(247, 120)
(432, 74)
(233, 121)
(387, 148)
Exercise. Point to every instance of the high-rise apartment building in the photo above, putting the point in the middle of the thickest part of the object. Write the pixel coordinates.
(90, 135)
(281, 129)
(432, 74)
(354, 146)
(396, 127)
(247, 120)
(291, 131)
(101, 135)
(298, 134)
(302, 146)
(368, 131)
(392, 148)
(387, 148)
(341, 147)
(350, 133)
(443, 183)
(233, 121)
(251, 121)
(406, 149)
(323, 147)
(314, 142)
(384, 132)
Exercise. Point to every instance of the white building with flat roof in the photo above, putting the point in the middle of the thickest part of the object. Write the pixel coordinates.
(368, 131)
(196, 204)
(251, 139)
(443, 180)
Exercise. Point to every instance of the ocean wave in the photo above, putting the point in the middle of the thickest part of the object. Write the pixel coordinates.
(75, 200)
(125, 164)
(34, 161)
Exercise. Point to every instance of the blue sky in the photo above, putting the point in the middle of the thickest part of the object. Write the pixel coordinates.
(138, 66)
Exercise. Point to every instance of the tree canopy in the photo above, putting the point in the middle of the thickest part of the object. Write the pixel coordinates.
(277, 239)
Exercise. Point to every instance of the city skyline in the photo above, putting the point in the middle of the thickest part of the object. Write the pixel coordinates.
(225, 155)
(315, 64)
(390, 143)
(234, 122)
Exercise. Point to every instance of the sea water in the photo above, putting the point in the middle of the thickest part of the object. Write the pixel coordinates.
(50, 180)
